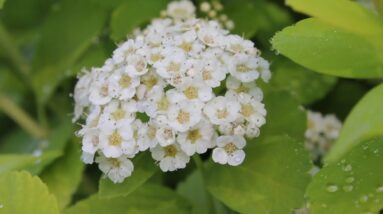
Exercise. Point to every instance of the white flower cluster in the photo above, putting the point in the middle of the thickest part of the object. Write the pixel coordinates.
(214, 10)
(164, 91)
(322, 131)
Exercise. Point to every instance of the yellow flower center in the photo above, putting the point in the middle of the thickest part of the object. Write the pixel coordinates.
(247, 110)
(206, 75)
(173, 67)
(186, 46)
(163, 104)
(115, 139)
(183, 117)
(114, 162)
(170, 151)
(230, 148)
(118, 114)
(125, 81)
(191, 93)
(242, 68)
(221, 114)
(194, 135)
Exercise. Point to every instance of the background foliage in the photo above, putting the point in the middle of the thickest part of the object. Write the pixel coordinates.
(326, 55)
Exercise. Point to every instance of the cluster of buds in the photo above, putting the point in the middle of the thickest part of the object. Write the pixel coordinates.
(321, 133)
(214, 10)
(181, 87)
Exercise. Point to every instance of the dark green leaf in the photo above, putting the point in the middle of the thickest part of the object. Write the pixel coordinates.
(66, 35)
(147, 199)
(64, 175)
(304, 85)
(272, 179)
(133, 14)
(284, 116)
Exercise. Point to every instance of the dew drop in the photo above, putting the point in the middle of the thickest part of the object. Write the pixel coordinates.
(1, 206)
(347, 168)
(349, 180)
(348, 188)
(364, 198)
(332, 188)
(379, 189)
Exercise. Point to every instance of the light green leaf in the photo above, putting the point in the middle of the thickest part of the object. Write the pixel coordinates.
(147, 199)
(144, 169)
(344, 14)
(352, 185)
(2, 3)
(133, 14)
(34, 164)
(379, 6)
(23, 193)
(272, 179)
(284, 116)
(304, 85)
(365, 121)
(64, 175)
(66, 35)
(330, 50)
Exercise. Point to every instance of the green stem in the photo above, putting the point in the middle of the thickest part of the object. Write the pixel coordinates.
(21, 117)
(8, 47)
(200, 166)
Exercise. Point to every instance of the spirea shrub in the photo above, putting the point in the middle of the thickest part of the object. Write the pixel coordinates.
(181, 87)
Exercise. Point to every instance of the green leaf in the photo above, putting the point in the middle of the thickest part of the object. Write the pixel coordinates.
(194, 190)
(66, 35)
(379, 6)
(2, 3)
(34, 164)
(147, 199)
(144, 169)
(331, 50)
(347, 15)
(289, 119)
(23, 193)
(251, 17)
(365, 121)
(64, 175)
(133, 14)
(352, 184)
(303, 84)
(272, 179)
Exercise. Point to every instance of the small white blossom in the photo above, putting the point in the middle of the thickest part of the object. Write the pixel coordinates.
(181, 9)
(116, 142)
(245, 67)
(170, 157)
(117, 169)
(182, 116)
(221, 110)
(229, 150)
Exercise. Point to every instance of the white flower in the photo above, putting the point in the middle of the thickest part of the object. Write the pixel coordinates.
(173, 64)
(117, 114)
(264, 69)
(229, 150)
(187, 43)
(87, 158)
(221, 110)
(211, 35)
(182, 116)
(128, 48)
(321, 133)
(211, 73)
(81, 93)
(90, 142)
(165, 135)
(156, 103)
(192, 91)
(170, 157)
(244, 67)
(249, 88)
(116, 142)
(237, 44)
(117, 169)
(252, 110)
(198, 139)
(123, 85)
(181, 9)
(205, 6)
(136, 65)
(100, 91)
